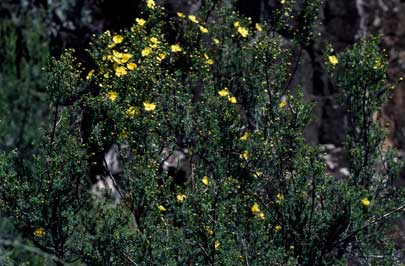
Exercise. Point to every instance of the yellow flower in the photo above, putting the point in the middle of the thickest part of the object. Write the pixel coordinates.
(180, 15)
(39, 232)
(116, 56)
(365, 202)
(236, 24)
(209, 60)
(176, 48)
(112, 95)
(333, 60)
(282, 2)
(216, 41)
(151, 4)
(120, 71)
(90, 74)
(120, 58)
(161, 56)
(255, 209)
(161, 208)
(154, 40)
(117, 39)
(244, 155)
(146, 52)
(193, 18)
(181, 197)
(279, 198)
(125, 58)
(203, 29)
(123, 133)
(217, 244)
(224, 92)
(132, 111)
(243, 32)
(209, 230)
(259, 173)
(140, 21)
(149, 106)
(244, 136)
(232, 99)
(205, 180)
(258, 27)
(131, 66)
(277, 228)
(282, 104)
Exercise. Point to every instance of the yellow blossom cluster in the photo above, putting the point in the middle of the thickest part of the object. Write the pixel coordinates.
(244, 155)
(132, 111)
(279, 198)
(225, 93)
(154, 43)
(140, 22)
(241, 30)
(245, 136)
(39, 232)
(209, 60)
(255, 209)
(209, 230)
(149, 106)
(181, 197)
(176, 48)
(119, 59)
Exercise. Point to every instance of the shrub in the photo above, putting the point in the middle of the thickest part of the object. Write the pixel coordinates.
(219, 86)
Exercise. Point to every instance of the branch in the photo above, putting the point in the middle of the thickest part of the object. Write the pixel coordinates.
(294, 71)
(370, 222)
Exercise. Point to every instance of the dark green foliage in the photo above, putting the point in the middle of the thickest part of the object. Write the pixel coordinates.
(257, 194)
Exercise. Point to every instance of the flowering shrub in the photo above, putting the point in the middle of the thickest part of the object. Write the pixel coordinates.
(219, 86)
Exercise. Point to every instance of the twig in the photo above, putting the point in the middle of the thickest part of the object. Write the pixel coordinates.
(371, 222)
(294, 71)
(129, 259)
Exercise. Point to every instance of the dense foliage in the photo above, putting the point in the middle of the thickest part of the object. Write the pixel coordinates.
(217, 86)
